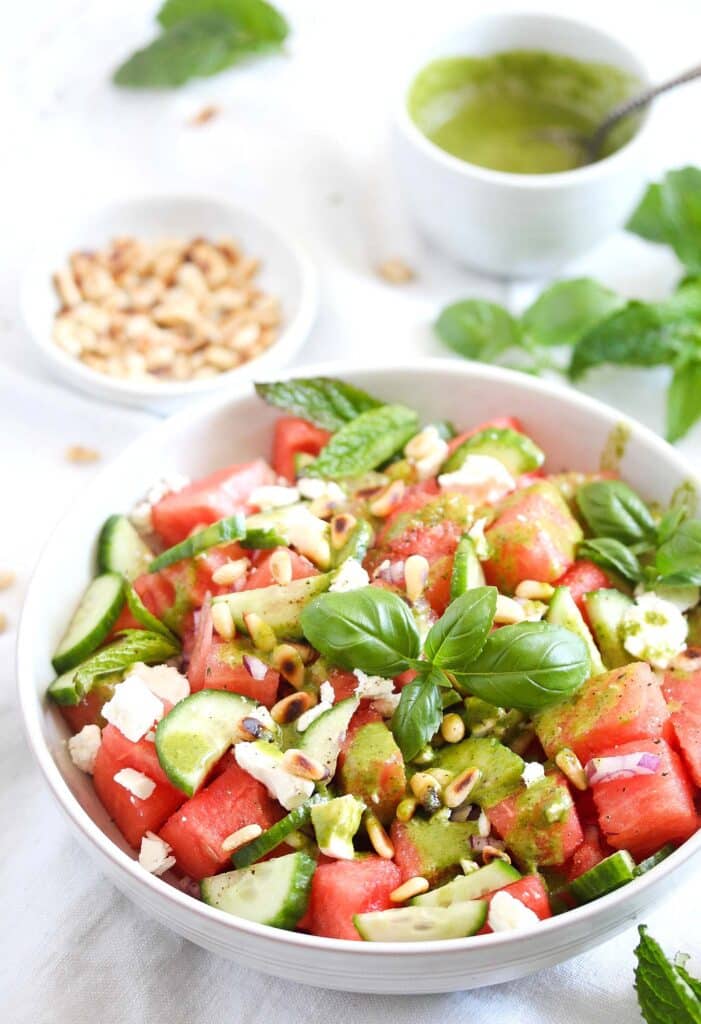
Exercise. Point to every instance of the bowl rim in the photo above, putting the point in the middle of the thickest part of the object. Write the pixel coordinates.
(506, 179)
(32, 708)
(292, 335)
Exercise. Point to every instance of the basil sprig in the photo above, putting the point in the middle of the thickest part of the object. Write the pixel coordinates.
(611, 554)
(611, 508)
(525, 666)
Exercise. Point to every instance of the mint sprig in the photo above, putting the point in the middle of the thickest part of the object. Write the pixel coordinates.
(667, 994)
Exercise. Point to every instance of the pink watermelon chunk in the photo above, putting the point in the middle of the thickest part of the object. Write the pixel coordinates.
(539, 824)
(682, 691)
(343, 888)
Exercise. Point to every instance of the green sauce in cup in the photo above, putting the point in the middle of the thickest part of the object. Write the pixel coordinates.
(497, 111)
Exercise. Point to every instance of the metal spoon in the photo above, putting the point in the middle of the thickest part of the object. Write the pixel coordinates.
(590, 145)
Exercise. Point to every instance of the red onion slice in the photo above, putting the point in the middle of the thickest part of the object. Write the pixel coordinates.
(479, 843)
(621, 766)
(255, 667)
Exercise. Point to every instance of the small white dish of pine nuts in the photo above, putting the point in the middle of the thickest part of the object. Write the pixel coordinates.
(155, 300)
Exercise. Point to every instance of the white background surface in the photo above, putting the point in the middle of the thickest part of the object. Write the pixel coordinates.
(303, 139)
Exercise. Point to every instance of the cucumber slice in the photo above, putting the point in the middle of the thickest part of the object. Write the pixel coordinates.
(361, 538)
(279, 606)
(501, 768)
(144, 617)
(92, 622)
(276, 834)
(422, 924)
(606, 609)
(516, 451)
(196, 733)
(323, 738)
(223, 532)
(604, 877)
(563, 611)
(470, 887)
(121, 549)
(653, 860)
(467, 568)
(275, 893)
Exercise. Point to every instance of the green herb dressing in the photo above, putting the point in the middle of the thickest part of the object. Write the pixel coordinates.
(492, 111)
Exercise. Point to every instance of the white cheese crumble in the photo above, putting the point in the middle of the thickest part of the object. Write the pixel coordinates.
(654, 630)
(426, 451)
(141, 513)
(155, 854)
(478, 538)
(288, 789)
(138, 784)
(350, 576)
(162, 680)
(507, 914)
(314, 489)
(532, 772)
(376, 688)
(273, 496)
(480, 471)
(327, 693)
(83, 748)
(306, 719)
(133, 708)
(308, 534)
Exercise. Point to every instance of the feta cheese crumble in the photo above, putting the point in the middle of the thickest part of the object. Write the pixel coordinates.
(654, 630)
(133, 708)
(350, 576)
(507, 914)
(378, 689)
(482, 471)
(532, 772)
(155, 854)
(138, 784)
(273, 496)
(83, 748)
(288, 789)
(306, 719)
(426, 451)
(327, 693)
(162, 680)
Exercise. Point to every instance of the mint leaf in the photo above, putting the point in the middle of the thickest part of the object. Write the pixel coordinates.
(418, 715)
(326, 402)
(477, 329)
(683, 399)
(133, 645)
(366, 442)
(258, 19)
(567, 310)
(461, 632)
(670, 212)
(664, 995)
(648, 219)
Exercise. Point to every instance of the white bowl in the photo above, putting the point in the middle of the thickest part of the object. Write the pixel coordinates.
(286, 272)
(517, 224)
(573, 430)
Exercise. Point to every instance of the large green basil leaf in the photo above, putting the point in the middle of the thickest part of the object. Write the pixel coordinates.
(678, 559)
(370, 629)
(611, 554)
(664, 993)
(366, 442)
(324, 401)
(567, 310)
(613, 509)
(477, 329)
(527, 666)
(418, 714)
(460, 634)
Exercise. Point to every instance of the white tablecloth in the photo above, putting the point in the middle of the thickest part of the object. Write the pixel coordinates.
(302, 139)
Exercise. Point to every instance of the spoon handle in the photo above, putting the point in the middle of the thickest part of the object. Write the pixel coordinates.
(637, 102)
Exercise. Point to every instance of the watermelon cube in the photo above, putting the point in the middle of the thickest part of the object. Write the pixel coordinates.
(343, 888)
(618, 706)
(431, 848)
(261, 575)
(133, 816)
(590, 853)
(371, 765)
(198, 828)
(642, 813)
(682, 691)
(539, 824)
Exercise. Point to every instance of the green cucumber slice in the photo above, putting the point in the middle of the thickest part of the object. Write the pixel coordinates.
(276, 834)
(92, 622)
(609, 874)
(223, 532)
(422, 924)
(192, 737)
(121, 549)
(563, 611)
(275, 893)
(144, 617)
(279, 606)
(606, 609)
(357, 545)
(467, 568)
(516, 451)
(470, 887)
(323, 738)
(654, 859)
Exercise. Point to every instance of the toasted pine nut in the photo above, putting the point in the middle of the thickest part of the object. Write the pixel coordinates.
(305, 767)
(287, 660)
(388, 498)
(291, 707)
(229, 573)
(508, 611)
(426, 790)
(534, 590)
(490, 853)
(223, 620)
(262, 635)
(462, 813)
(406, 809)
(483, 825)
(407, 890)
(281, 566)
(395, 271)
(7, 578)
(416, 570)
(441, 775)
(457, 791)
(253, 728)
(570, 766)
(380, 841)
(342, 526)
(323, 508)
(240, 837)
(452, 728)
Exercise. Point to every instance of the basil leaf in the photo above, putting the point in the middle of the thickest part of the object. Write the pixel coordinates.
(612, 509)
(671, 521)
(477, 329)
(370, 629)
(460, 634)
(664, 994)
(417, 717)
(223, 532)
(683, 399)
(567, 310)
(609, 553)
(527, 666)
(366, 442)
(133, 645)
(258, 19)
(680, 556)
(326, 402)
